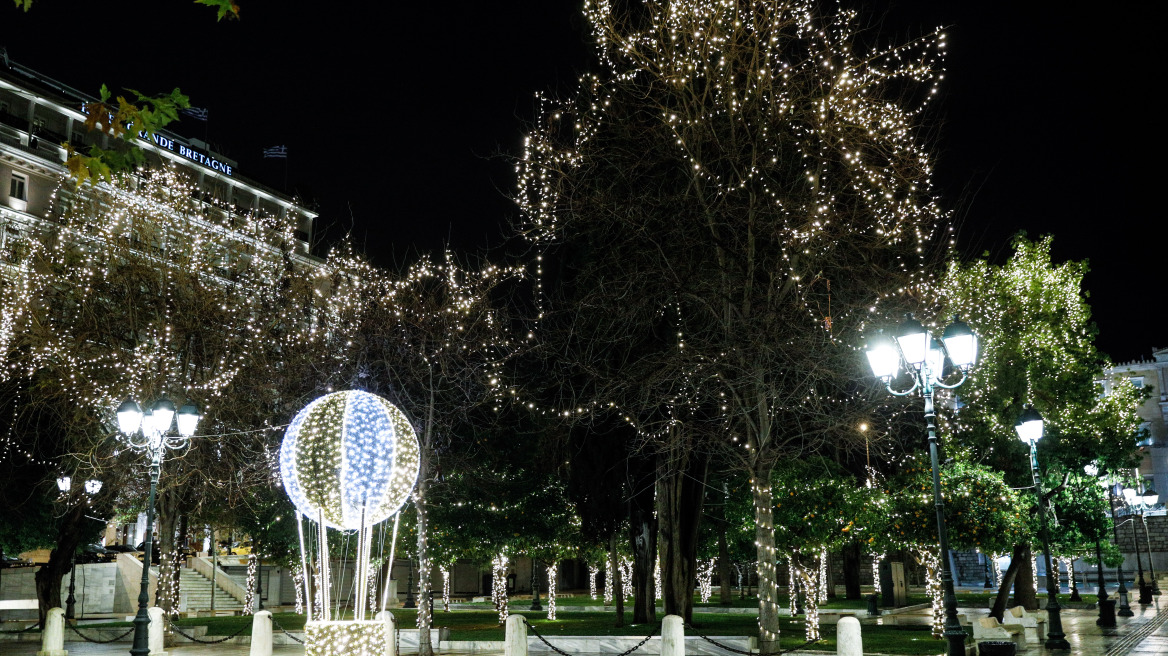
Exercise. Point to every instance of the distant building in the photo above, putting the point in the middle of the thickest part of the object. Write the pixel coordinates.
(1154, 468)
(38, 115)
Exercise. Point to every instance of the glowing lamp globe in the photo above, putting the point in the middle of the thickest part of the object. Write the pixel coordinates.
(350, 456)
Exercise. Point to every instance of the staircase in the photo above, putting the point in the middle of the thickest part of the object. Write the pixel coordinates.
(196, 591)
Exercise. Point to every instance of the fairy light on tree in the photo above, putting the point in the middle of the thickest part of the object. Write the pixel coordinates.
(143, 286)
(499, 586)
(706, 581)
(768, 153)
(249, 599)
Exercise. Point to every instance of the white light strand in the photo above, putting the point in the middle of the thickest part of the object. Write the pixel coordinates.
(499, 587)
(249, 597)
(552, 571)
(446, 589)
(706, 581)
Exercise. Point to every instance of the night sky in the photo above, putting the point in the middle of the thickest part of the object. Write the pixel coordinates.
(398, 116)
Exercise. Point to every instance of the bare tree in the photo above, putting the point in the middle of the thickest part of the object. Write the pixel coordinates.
(734, 190)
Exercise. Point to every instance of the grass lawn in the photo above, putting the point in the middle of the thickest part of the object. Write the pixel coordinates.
(483, 625)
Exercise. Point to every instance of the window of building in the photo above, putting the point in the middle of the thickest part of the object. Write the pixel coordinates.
(18, 187)
(1145, 434)
(1138, 381)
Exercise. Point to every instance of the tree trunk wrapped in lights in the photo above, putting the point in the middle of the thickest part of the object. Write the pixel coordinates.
(499, 587)
(552, 571)
(738, 168)
(706, 581)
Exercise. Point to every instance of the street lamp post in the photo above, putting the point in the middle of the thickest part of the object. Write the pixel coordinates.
(150, 433)
(1029, 429)
(92, 487)
(535, 605)
(1124, 604)
(923, 358)
(1147, 500)
(1106, 608)
(1130, 497)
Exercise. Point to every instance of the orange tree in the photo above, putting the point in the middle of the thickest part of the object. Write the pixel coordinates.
(981, 511)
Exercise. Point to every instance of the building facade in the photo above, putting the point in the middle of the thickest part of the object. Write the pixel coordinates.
(1152, 373)
(39, 115)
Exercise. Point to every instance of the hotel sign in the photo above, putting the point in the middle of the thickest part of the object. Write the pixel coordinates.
(186, 151)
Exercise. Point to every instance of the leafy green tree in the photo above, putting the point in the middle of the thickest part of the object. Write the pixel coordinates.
(1037, 348)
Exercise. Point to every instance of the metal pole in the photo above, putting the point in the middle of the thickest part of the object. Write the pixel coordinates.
(214, 569)
(953, 631)
(1145, 589)
(142, 619)
(71, 600)
(535, 605)
(1124, 607)
(1148, 544)
(1055, 638)
(1106, 608)
(305, 573)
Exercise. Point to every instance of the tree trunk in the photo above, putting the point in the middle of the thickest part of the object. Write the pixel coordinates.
(425, 607)
(764, 539)
(852, 557)
(643, 538)
(726, 592)
(48, 577)
(1025, 594)
(618, 592)
(1011, 573)
(167, 509)
(680, 495)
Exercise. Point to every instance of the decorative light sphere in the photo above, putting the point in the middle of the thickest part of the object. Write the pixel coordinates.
(347, 454)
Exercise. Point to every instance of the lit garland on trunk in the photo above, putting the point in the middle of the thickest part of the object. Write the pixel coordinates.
(249, 598)
(876, 572)
(446, 589)
(593, 572)
(608, 585)
(499, 587)
(706, 581)
(822, 578)
(932, 565)
(552, 571)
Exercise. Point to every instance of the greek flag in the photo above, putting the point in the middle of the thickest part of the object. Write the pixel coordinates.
(279, 152)
(197, 113)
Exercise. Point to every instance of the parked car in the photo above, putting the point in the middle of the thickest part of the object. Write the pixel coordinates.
(120, 548)
(12, 561)
(95, 553)
(155, 548)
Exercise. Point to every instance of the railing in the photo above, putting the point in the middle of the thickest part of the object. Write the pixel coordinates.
(203, 566)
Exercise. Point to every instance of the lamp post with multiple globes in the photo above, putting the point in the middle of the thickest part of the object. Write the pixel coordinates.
(92, 487)
(150, 432)
(923, 357)
(1029, 428)
(1132, 500)
(1146, 500)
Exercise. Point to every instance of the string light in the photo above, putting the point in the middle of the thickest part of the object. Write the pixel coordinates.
(249, 597)
(552, 571)
(593, 573)
(706, 580)
(499, 587)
